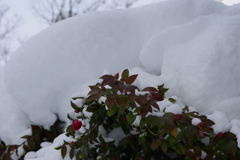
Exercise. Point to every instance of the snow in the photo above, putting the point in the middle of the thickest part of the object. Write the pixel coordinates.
(191, 46)
(196, 121)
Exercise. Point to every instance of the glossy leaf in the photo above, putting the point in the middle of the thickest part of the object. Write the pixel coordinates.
(111, 111)
(125, 74)
(111, 99)
(155, 144)
(131, 118)
(150, 89)
(157, 97)
(63, 151)
(131, 79)
(232, 147)
(71, 153)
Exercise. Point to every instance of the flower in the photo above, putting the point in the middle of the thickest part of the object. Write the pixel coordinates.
(76, 125)
(161, 136)
(177, 117)
(220, 135)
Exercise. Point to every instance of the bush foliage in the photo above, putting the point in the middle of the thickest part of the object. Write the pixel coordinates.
(115, 107)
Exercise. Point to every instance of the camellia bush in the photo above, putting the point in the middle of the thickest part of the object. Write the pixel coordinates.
(117, 120)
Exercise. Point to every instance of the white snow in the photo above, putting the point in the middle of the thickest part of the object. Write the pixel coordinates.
(196, 121)
(191, 46)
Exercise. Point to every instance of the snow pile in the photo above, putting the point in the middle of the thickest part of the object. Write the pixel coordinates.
(192, 46)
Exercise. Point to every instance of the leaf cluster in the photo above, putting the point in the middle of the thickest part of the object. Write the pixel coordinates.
(115, 104)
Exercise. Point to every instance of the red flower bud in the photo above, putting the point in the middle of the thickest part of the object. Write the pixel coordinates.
(177, 117)
(76, 111)
(72, 144)
(220, 135)
(161, 136)
(125, 118)
(197, 158)
(101, 144)
(76, 125)
(210, 128)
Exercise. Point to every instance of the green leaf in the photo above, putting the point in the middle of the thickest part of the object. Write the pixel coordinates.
(58, 148)
(111, 111)
(172, 100)
(125, 74)
(164, 147)
(162, 90)
(131, 118)
(180, 149)
(131, 79)
(69, 117)
(63, 151)
(74, 106)
(197, 151)
(232, 147)
(70, 130)
(71, 153)
(155, 144)
(26, 137)
(124, 142)
(101, 139)
(31, 144)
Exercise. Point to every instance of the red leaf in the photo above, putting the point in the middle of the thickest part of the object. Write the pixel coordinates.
(150, 89)
(105, 76)
(155, 105)
(157, 97)
(130, 88)
(145, 109)
(107, 81)
(131, 79)
(208, 122)
(141, 100)
(120, 86)
(229, 135)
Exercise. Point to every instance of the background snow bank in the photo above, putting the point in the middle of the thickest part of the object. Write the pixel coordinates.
(194, 44)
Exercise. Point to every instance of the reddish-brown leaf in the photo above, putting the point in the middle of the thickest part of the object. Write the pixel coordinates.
(120, 85)
(150, 89)
(157, 97)
(107, 81)
(131, 79)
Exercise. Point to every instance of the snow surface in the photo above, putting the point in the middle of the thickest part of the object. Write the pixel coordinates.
(192, 46)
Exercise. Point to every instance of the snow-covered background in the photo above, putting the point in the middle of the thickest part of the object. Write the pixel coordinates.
(191, 46)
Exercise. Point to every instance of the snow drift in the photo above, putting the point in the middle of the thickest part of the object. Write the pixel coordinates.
(192, 45)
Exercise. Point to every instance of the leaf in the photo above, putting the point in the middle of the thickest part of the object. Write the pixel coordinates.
(121, 102)
(131, 79)
(157, 97)
(155, 105)
(101, 139)
(125, 74)
(94, 91)
(172, 100)
(141, 100)
(232, 147)
(26, 137)
(124, 142)
(71, 153)
(155, 144)
(105, 76)
(197, 151)
(107, 81)
(111, 99)
(131, 97)
(111, 111)
(130, 88)
(164, 147)
(63, 151)
(180, 149)
(131, 118)
(192, 130)
(162, 90)
(31, 144)
(175, 132)
(190, 154)
(74, 106)
(150, 89)
(229, 135)
(69, 117)
(120, 85)
(58, 148)
(91, 98)
(208, 122)
(145, 109)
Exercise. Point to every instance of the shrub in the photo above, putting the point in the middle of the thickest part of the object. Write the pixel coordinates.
(32, 143)
(117, 120)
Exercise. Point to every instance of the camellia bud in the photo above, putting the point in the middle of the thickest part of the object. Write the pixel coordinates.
(125, 118)
(220, 135)
(161, 136)
(76, 111)
(76, 125)
(178, 117)
(197, 158)
(72, 144)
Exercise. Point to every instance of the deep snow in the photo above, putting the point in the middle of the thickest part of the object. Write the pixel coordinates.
(192, 46)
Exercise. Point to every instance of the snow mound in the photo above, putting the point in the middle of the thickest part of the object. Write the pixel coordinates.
(192, 46)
